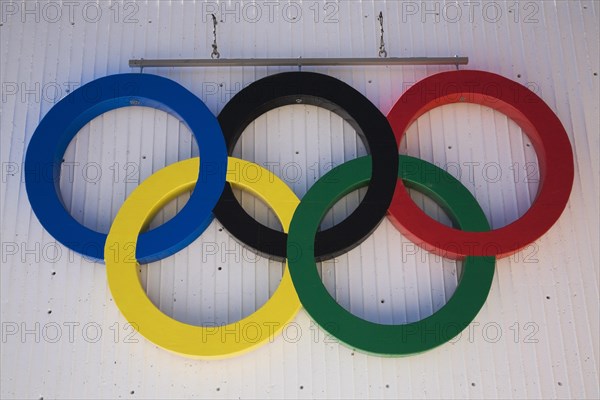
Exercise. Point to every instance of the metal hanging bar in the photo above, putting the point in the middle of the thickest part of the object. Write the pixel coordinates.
(216, 61)
(297, 62)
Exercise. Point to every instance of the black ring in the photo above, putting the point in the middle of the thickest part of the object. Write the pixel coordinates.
(334, 95)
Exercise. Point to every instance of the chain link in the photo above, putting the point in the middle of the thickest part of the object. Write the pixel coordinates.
(382, 51)
(215, 53)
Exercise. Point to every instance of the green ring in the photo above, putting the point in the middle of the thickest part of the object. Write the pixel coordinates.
(392, 340)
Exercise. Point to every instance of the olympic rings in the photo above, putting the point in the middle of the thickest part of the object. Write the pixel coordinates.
(471, 293)
(130, 297)
(65, 119)
(383, 171)
(326, 92)
(549, 139)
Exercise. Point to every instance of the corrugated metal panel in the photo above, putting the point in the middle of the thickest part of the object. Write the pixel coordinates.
(537, 335)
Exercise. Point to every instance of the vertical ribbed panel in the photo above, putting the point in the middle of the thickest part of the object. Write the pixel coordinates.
(537, 335)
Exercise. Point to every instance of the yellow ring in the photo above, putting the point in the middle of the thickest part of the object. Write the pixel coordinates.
(143, 315)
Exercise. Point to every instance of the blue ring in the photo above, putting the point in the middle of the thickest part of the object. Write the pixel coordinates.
(67, 117)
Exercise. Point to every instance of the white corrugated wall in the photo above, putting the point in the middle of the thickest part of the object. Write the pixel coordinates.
(537, 336)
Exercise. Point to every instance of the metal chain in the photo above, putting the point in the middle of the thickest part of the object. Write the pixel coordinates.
(215, 53)
(382, 51)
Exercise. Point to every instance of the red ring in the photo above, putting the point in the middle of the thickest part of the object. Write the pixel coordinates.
(543, 128)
